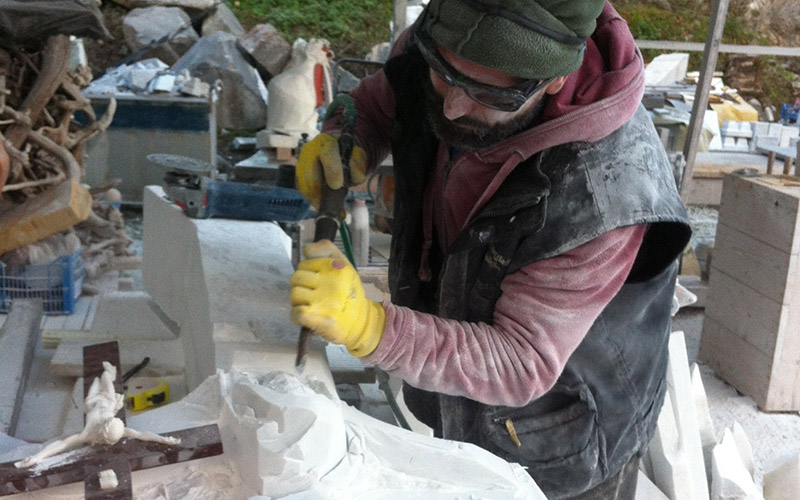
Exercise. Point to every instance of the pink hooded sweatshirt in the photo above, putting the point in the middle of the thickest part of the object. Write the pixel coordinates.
(546, 308)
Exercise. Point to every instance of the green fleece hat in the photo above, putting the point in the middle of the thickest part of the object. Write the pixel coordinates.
(531, 39)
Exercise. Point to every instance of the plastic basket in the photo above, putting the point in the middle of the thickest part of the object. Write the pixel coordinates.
(58, 284)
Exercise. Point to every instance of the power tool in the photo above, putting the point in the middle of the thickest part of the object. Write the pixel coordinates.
(188, 183)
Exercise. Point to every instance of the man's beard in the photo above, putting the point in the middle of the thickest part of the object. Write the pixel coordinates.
(469, 133)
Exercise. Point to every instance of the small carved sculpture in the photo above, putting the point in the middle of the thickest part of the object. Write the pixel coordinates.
(102, 427)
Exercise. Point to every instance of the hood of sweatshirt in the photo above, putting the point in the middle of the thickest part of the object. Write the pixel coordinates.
(595, 101)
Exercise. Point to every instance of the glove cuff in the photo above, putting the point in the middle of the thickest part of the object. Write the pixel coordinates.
(372, 332)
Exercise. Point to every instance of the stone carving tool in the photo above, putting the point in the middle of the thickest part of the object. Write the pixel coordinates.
(332, 204)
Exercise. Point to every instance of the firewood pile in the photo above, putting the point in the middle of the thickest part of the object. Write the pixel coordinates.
(40, 101)
(39, 98)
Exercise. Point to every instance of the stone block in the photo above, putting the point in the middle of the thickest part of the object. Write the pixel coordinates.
(225, 283)
(757, 250)
(787, 134)
(268, 47)
(141, 27)
(137, 79)
(730, 478)
(783, 483)
(222, 19)
(737, 129)
(18, 338)
(162, 83)
(666, 69)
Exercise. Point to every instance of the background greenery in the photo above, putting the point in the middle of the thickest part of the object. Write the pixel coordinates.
(354, 26)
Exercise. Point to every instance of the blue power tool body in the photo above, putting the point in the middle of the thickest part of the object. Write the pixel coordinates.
(187, 184)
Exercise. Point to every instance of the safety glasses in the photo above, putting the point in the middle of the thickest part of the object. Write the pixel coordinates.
(500, 98)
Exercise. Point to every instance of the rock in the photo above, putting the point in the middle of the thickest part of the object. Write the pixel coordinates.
(666, 69)
(141, 27)
(242, 99)
(222, 19)
(196, 87)
(268, 47)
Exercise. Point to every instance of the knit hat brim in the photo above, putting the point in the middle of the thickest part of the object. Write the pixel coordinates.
(485, 33)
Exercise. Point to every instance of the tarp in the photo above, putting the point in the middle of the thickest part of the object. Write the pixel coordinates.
(30, 20)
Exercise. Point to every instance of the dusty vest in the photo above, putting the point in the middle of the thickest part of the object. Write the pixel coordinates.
(604, 406)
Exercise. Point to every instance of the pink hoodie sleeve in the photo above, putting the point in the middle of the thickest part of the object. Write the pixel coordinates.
(543, 314)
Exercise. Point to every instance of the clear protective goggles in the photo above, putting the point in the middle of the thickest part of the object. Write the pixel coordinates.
(501, 98)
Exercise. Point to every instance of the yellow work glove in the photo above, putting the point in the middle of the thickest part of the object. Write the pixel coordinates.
(328, 298)
(319, 160)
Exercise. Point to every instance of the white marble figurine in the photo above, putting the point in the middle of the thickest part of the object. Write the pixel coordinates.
(102, 427)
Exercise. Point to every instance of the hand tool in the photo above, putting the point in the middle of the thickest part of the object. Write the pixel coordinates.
(188, 184)
(330, 211)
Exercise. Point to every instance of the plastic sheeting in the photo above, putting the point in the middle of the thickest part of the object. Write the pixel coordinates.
(34, 20)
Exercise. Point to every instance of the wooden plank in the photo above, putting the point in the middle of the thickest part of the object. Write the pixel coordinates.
(764, 268)
(736, 361)
(57, 209)
(17, 343)
(744, 312)
(767, 212)
(123, 490)
(199, 442)
(751, 50)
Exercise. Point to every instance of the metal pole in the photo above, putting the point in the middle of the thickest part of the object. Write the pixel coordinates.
(398, 18)
(718, 14)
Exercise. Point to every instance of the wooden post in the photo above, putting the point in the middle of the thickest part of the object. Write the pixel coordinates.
(717, 23)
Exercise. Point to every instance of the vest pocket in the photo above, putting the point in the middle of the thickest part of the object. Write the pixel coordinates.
(555, 437)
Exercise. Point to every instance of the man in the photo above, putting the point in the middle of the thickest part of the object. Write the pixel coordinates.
(536, 229)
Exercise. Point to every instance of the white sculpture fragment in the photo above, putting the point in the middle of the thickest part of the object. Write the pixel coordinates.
(292, 438)
(783, 483)
(708, 435)
(730, 479)
(675, 452)
(108, 479)
(102, 427)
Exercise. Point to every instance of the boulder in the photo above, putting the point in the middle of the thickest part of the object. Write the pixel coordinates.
(222, 19)
(268, 47)
(141, 27)
(242, 99)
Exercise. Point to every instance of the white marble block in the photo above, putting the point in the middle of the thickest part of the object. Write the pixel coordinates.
(783, 483)
(675, 452)
(730, 478)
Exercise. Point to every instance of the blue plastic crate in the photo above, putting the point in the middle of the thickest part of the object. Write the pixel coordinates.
(58, 284)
